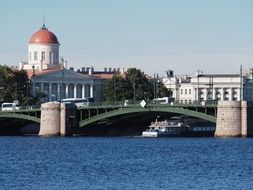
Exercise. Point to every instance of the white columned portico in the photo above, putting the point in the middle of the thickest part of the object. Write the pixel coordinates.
(67, 91)
(91, 90)
(83, 90)
(50, 92)
(75, 90)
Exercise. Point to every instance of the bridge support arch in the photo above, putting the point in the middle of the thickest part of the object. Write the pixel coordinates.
(233, 119)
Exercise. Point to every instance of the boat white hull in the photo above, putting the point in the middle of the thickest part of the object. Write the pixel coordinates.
(149, 134)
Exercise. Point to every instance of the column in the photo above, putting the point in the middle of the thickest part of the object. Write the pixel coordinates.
(238, 94)
(75, 90)
(42, 90)
(83, 90)
(221, 94)
(41, 87)
(50, 92)
(214, 93)
(230, 94)
(197, 94)
(59, 91)
(91, 90)
(67, 91)
(205, 94)
(33, 89)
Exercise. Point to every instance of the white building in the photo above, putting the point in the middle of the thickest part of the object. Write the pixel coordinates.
(51, 78)
(58, 84)
(43, 51)
(204, 87)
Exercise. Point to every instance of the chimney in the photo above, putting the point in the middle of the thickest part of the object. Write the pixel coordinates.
(65, 64)
(91, 70)
(122, 70)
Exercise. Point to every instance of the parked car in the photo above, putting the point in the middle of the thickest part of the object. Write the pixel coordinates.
(9, 107)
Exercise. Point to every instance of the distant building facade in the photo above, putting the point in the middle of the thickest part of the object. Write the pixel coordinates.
(204, 87)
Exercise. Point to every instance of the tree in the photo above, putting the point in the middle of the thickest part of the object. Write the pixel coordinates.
(163, 91)
(141, 86)
(134, 85)
(14, 85)
(115, 88)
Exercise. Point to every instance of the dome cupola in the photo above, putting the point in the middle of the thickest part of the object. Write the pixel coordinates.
(44, 36)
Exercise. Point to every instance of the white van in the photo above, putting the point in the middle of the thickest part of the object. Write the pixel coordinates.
(79, 102)
(9, 107)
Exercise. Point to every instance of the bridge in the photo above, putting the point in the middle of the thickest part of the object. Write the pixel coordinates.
(98, 113)
(93, 114)
(61, 117)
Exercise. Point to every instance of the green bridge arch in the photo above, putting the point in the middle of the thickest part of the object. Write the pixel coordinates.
(124, 111)
(19, 116)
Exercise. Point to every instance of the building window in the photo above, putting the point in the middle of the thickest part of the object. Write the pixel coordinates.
(51, 57)
(190, 91)
(43, 56)
(30, 56)
(185, 91)
(35, 56)
(181, 91)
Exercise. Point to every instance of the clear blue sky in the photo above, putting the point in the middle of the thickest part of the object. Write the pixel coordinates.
(152, 35)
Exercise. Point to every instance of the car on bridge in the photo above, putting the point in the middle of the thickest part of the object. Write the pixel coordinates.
(9, 106)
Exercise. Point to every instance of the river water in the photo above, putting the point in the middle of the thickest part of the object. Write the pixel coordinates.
(32, 162)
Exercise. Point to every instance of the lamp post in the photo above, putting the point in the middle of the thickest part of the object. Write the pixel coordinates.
(115, 97)
(134, 90)
(241, 96)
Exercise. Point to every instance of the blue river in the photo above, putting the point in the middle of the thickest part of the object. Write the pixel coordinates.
(32, 162)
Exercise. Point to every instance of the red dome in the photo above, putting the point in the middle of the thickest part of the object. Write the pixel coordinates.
(44, 36)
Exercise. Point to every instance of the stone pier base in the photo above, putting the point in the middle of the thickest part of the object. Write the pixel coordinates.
(233, 119)
(50, 119)
(67, 119)
(57, 119)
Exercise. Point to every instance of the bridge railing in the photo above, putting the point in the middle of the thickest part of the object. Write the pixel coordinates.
(151, 103)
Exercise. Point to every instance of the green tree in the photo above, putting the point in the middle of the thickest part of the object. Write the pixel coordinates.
(114, 90)
(133, 85)
(14, 85)
(141, 86)
(163, 91)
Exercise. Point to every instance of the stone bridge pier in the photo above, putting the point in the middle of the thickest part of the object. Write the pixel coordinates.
(57, 119)
(234, 118)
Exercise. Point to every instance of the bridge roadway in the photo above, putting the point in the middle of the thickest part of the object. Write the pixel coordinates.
(98, 113)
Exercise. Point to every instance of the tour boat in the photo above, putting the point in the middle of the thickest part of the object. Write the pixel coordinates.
(166, 129)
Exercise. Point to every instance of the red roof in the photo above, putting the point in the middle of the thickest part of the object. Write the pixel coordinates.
(44, 36)
(30, 72)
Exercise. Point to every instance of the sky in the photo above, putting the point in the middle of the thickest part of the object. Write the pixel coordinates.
(215, 36)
